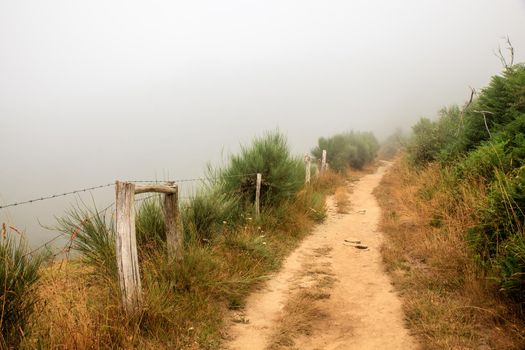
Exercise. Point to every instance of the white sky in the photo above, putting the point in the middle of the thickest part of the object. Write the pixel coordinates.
(91, 91)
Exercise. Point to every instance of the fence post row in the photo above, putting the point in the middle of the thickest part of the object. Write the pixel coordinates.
(323, 162)
(308, 162)
(126, 240)
(258, 195)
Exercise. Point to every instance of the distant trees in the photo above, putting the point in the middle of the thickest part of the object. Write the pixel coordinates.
(391, 145)
(352, 148)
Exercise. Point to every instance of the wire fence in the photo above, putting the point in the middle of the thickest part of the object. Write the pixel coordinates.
(43, 198)
(71, 237)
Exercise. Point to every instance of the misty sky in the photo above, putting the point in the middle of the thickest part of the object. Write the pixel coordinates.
(92, 91)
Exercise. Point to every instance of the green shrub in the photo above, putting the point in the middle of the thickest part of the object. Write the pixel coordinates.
(353, 149)
(484, 161)
(498, 238)
(424, 145)
(19, 272)
(435, 140)
(204, 214)
(282, 174)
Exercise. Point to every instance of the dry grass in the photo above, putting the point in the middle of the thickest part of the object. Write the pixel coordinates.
(355, 174)
(342, 200)
(328, 181)
(184, 303)
(448, 305)
(76, 311)
(305, 307)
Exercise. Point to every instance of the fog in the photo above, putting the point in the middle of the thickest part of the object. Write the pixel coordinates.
(93, 91)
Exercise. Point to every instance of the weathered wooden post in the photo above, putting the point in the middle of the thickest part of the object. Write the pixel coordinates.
(308, 162)
(171, 214)
(126, 245)
(258, 196)
(323, 162)
(171, 218)
(127, 257)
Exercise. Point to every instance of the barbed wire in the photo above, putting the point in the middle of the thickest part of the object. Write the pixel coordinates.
(72, 236)
(55, 195)
(112, 184)
(208, 178)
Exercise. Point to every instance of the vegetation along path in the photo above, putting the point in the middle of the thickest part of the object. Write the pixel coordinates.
(332, 292)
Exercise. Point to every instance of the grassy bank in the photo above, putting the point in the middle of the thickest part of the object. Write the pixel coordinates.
(449, 302)
(453, 213)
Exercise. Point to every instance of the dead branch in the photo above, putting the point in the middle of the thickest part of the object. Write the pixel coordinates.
(483, 113)
(461, 122)
(506, 64)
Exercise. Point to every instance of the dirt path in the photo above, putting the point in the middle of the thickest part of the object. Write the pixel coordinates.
(329, 294)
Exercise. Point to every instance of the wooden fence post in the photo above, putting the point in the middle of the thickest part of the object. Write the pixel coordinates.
(323, 162)
(171, 220)
(258, 196)
(308, 162)
(126, 245)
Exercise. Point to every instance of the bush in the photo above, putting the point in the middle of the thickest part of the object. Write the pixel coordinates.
(483, 162)
(282, 174)
(353, 149)
(498, 239)
(19, 272)
(205, 213)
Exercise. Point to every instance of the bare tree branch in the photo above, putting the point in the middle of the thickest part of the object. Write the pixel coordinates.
(499, 54)
(511, 50)
(485, 119)
(461, 122)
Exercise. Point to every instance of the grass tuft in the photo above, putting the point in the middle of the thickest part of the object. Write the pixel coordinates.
(19, 272)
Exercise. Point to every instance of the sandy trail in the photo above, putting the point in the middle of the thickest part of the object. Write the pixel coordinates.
(358, 310)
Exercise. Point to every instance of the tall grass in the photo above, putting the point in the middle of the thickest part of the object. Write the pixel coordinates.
(206, 214)
(149, 224)
(93, 235)
(19, 272)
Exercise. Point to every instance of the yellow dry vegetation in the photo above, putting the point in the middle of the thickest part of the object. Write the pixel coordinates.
(448, 303)
(342, 200)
